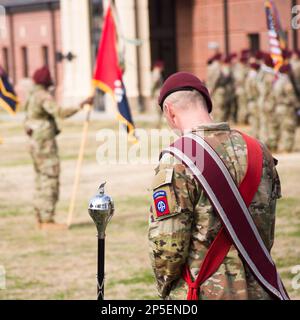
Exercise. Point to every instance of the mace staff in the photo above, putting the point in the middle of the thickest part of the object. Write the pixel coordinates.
(101, 210)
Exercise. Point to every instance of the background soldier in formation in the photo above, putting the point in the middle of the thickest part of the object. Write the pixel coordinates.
(240, 72)
(41, 126)
(246, 88)
(286, 103)
(251, 95)
(216, 85)
(157, 80)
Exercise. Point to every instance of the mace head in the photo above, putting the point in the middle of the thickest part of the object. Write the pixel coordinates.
(101, 209)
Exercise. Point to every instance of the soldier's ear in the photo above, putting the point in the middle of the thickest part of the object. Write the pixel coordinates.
(168, 109)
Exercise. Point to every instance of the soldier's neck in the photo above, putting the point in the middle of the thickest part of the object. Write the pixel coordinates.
(194, 120)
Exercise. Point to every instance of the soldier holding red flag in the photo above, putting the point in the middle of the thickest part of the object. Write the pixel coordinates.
(41, 127)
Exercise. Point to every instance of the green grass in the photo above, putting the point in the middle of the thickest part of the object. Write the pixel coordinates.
(141, 277)
(12, 211)
(62, 265)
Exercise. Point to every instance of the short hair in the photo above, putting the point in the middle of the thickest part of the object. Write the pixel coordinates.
(186, 99)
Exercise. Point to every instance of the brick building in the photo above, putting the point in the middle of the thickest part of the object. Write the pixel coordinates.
(233, 24)
(31, 39)
(179, 32)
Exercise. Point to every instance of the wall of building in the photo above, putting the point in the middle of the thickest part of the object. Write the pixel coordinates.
(201, 21)
(31, 31)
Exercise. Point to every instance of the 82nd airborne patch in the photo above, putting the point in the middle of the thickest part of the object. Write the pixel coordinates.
(161, 203)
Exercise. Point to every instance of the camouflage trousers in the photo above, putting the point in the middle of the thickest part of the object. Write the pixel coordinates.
(253, 118)
(286, 127)
(268, 129)
(242, 113)
(44, 154)
(219, 112)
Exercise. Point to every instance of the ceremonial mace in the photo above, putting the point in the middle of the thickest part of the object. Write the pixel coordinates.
(101, 209)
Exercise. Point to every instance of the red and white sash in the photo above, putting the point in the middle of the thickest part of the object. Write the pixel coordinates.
(231, 203)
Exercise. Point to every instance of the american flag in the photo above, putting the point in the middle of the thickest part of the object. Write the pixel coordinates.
(276, 40)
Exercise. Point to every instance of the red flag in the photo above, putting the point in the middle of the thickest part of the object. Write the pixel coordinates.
(108, 73)
(107, 69)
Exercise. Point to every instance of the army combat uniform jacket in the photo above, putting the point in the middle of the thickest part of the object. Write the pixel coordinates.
(185, 234)
(42, 126)
(43, 114)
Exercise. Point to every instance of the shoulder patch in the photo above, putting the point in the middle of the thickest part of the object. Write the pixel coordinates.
(161, 203)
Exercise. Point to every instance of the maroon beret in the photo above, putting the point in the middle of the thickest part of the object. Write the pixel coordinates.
(227, 59)
(254, 66)
(268, 61)
(285, 68)
(42, 76)
(243, 59)
(286, 54)
(259, 55)
(217, 56)
(245, 52)
(184, 81)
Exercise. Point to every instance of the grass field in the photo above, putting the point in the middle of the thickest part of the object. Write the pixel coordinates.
(62, 265)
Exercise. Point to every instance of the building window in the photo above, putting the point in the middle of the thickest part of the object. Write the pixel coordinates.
(45, 55)
(25, 62)
(5, 59)
(96, 9)
(254, 42)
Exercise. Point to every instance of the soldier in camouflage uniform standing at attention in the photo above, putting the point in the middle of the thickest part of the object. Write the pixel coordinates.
(266, 103)
(240, 72)
(252, 98)
(189, 224)
(157, 81)
(215, 83)
(41, 126)
(226, 81)
(286, 103)
(295, 65)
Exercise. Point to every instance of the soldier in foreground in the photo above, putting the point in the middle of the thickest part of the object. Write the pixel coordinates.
(186, 223)
(41, 127)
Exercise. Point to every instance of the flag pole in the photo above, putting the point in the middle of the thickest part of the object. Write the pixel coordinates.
(88, 108)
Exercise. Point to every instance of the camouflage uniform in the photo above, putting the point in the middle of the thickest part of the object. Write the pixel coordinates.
(295, 64)
(157, 81)
(185, 235)
(227, 81)
(286, 103)
(240, 71)
(252, 102)
(42, 114)
(215, 85)
(266, 105)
